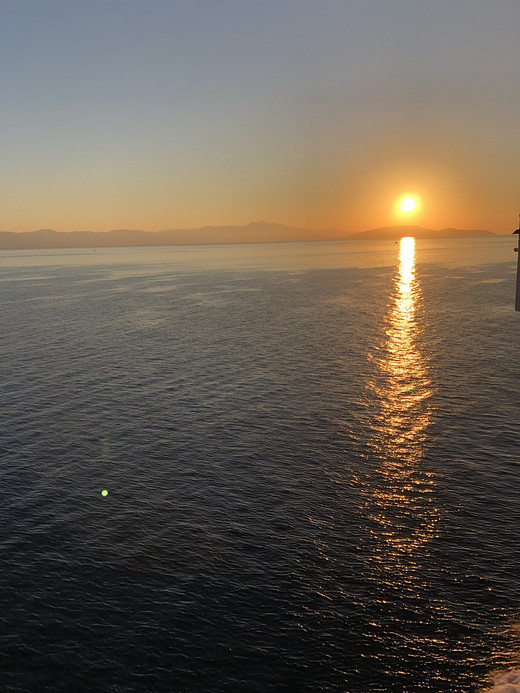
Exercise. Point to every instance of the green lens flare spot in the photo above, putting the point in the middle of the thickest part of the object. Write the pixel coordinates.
(104, 492)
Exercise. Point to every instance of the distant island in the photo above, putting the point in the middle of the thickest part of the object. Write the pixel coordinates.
(255, 232)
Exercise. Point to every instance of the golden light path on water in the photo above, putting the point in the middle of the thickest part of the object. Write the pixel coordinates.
(401, 390)
(398, 492)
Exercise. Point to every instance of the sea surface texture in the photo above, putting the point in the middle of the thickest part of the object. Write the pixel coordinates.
(311, 453)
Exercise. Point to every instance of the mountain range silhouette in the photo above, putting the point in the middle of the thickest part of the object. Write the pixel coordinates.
(254, 232)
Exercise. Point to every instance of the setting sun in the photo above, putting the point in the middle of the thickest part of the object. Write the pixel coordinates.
(408, 204)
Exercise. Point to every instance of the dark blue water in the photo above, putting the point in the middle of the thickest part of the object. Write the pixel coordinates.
(311, 454)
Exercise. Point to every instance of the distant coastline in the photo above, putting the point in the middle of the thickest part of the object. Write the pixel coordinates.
(255, 232)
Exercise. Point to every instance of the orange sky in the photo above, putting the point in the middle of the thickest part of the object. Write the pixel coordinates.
(177, 115)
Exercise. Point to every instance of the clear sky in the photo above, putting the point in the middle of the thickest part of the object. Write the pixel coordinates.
(158, 114)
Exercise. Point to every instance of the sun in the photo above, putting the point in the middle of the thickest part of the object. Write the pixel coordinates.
(408, 204)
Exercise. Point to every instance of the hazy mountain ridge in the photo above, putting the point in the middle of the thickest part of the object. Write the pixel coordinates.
(392, 232)
(254, 232)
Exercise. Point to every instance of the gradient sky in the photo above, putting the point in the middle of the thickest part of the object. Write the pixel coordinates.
(315, 113)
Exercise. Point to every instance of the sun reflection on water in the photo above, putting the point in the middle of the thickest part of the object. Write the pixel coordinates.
(399, 496)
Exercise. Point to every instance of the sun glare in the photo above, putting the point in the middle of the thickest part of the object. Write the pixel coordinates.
(408, 204)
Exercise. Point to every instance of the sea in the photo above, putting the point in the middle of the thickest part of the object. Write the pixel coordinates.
(258, 468)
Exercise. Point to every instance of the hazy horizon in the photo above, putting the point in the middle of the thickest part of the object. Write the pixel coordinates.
(315, 115)
(332, 232)
(254, 232)
(249, 224)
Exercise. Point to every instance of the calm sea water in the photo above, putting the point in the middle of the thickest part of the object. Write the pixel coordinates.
(311, 453)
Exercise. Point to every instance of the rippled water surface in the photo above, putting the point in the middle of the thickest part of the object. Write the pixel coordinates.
(311, 454)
